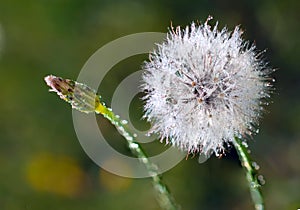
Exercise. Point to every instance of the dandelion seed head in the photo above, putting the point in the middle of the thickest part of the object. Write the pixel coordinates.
(203, 87)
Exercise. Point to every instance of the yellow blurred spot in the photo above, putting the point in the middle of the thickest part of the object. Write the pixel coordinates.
(55, 174)
(112, 182)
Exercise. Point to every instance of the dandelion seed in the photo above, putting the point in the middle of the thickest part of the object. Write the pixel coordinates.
(203, 87)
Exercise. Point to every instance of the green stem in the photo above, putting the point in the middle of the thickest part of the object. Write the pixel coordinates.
(251, 173)
(165, 199)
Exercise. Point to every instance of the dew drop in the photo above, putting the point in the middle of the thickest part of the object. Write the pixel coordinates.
(134, 135)
(209, 18)
(134, 145)
(153, 174)
(255, 165)
(257, 131)
(254, 185)
(129, 138)
(261, 179)
(124, 122)
(273, 80)
(245, 144)
(144, 160)
(240, 136)
(259, 207)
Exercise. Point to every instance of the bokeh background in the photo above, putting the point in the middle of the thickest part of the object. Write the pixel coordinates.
(42, 165)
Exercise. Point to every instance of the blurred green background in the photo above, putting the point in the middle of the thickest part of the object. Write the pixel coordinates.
(42, 165)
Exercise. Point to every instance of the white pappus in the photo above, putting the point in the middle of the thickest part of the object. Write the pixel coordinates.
(204, 87)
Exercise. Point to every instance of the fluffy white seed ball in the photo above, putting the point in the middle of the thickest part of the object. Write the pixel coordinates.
(203, 87)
